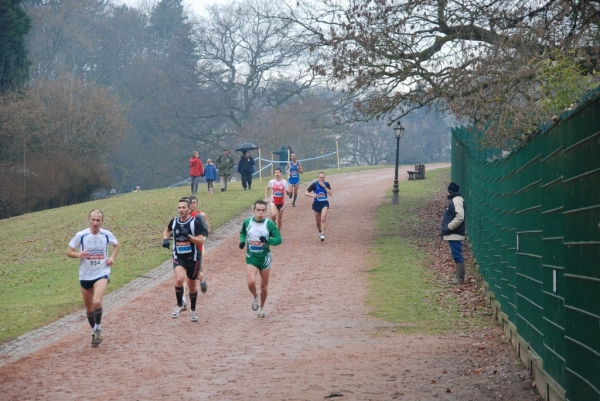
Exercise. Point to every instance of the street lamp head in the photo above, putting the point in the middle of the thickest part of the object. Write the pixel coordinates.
(399, 130)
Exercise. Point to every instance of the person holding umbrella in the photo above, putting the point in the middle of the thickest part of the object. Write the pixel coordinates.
(246, 169)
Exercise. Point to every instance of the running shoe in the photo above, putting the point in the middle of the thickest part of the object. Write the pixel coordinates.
(184, 307)
(255, 304)
(194, 317)
(175, 313)
(261, 312)
(203, 286)
(320, 234)
(97, 338)
(322, 237)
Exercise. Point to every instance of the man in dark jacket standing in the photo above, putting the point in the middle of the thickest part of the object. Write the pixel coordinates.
(246, 169)
(453, 229)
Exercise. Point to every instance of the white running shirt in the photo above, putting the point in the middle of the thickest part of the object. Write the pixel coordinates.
(94, 265)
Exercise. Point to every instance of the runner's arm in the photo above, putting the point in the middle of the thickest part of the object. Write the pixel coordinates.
(274, 234)
(312, 187)
(113, 255)
(205, 221)
(167, 232)
(75, 254)
(243, 232)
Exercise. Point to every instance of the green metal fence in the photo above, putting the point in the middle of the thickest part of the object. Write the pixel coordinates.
(533, 222)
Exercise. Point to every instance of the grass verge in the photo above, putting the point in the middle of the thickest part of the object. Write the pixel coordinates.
(39, 284)
(402, 291)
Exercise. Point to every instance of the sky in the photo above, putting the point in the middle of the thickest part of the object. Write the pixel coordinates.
(198, 6)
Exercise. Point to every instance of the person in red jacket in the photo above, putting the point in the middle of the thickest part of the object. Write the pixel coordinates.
(196, 171)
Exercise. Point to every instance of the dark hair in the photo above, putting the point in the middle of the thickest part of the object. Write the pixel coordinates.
(96, 210)
(260, 202)
(186, 200)
(278, 169)
(191, 198)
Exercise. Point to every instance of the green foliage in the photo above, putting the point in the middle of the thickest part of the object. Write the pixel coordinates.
(14, 62)
(563, 82)
(402, 291)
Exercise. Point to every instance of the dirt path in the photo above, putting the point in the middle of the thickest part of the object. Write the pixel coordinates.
(317, 340)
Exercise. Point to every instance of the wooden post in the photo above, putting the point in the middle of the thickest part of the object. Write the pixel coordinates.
(337, 152)
(272, 158)
(259, 166)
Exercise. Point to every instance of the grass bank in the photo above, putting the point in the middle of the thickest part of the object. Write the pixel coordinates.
(39, 284)
(402, 291)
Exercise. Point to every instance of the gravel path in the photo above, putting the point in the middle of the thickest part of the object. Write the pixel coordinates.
(317, 340)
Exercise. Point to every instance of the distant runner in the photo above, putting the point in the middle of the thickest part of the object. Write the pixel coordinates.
(277, 187)
(320, 192)
(294, 169)
(90, 246)
(260, 234)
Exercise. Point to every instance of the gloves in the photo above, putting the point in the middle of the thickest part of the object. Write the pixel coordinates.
(263, 239)
(166, 243)
(242, 245)
(184, 233)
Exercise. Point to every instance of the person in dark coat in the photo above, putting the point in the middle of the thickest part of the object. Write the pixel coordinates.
(453, 229)
(246, 169)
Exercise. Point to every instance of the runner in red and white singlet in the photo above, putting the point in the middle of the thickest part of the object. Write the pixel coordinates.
(277, 187)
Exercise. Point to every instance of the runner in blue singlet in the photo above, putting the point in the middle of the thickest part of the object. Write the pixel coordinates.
(294, 169)
(321, 190)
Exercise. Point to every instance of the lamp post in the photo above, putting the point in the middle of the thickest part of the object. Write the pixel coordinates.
(398, 131)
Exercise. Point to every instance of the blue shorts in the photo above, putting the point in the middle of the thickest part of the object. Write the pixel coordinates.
(319, 205)
(294, 180)
(89, 284)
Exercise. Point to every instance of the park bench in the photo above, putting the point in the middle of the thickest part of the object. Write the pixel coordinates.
(418, 173)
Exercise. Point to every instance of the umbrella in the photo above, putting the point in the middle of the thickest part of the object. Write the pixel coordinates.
(246, 146)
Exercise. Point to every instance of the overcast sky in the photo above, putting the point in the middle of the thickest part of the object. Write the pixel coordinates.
(198, 6)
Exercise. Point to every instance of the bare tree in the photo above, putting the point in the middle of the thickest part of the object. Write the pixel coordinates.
(481, 59)
(249, 58)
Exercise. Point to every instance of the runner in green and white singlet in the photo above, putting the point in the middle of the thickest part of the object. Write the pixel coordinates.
(259, 234)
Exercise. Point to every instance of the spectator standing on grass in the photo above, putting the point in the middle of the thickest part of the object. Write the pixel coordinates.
(188, 236)
(321, 190)
(196, 171)
(90, 246)
(224, 163)
(259, 233)
(246, 169)
(453, 230)
(210, 175)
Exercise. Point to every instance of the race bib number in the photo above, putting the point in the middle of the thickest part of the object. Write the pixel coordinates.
(278, 194)
(293, 174)
(95, 259)
(183, 247)
(256, 247)
(322, 198)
